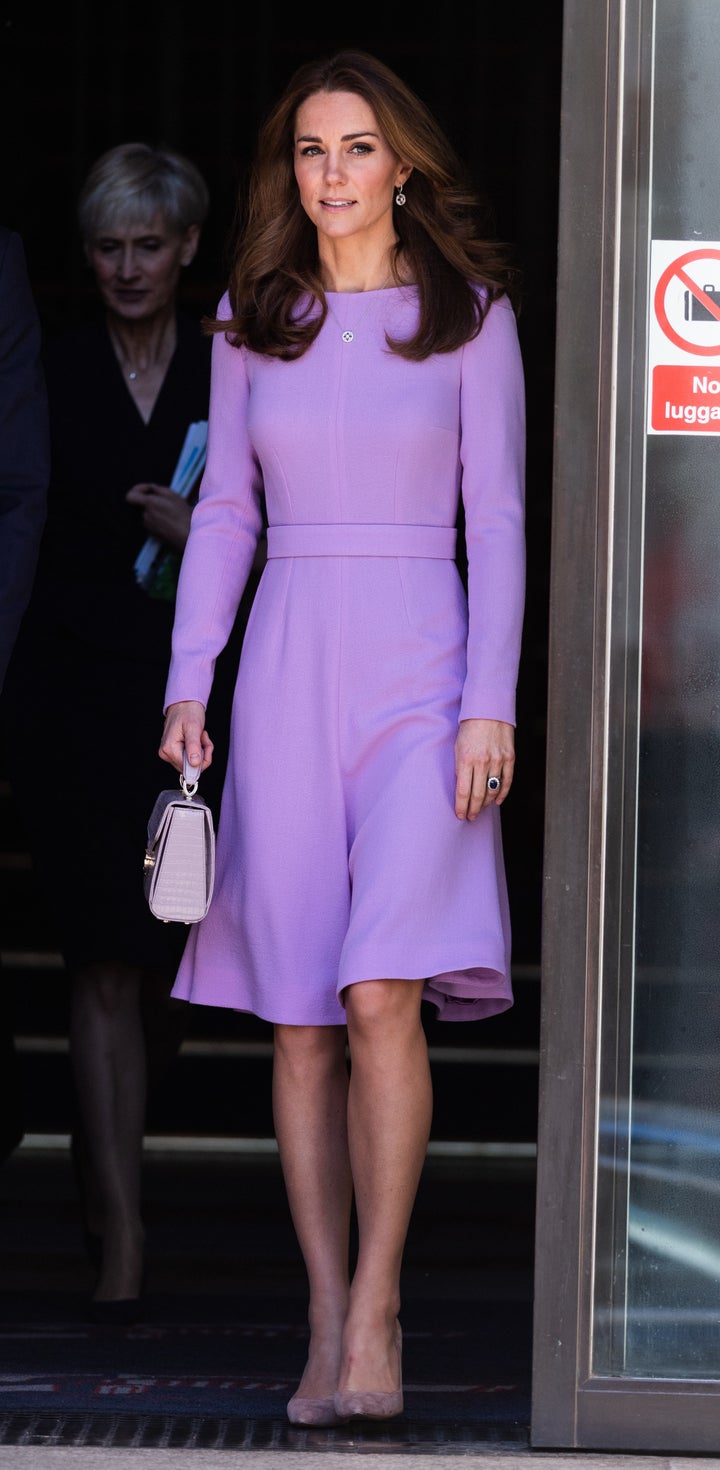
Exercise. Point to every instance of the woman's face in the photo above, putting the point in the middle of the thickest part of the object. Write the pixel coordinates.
(346, 172)
(137, 267)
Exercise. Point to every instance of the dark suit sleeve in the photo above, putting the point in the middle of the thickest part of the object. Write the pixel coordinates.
(24, 441)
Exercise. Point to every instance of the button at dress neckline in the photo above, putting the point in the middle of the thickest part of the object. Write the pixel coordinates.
(348, 333)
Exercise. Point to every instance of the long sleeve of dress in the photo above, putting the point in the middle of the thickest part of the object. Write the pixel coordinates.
(492, 454)
(226, 525)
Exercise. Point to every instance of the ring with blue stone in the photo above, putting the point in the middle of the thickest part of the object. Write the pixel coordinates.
(493, 783)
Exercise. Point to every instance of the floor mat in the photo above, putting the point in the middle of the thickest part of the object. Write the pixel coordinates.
(223, 1336)
(209, 1357)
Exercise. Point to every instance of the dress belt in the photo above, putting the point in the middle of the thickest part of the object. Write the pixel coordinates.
(358, 539)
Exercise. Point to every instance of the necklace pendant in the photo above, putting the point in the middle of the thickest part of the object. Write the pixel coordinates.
(348, 336)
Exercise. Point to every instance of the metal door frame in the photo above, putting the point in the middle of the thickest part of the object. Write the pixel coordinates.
(593, 676)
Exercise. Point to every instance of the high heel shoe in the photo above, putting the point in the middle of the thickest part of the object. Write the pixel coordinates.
(354, 1404)
(121, 1312)
(318, 1413)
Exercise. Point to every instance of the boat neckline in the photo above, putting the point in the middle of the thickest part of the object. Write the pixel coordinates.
(376, 290)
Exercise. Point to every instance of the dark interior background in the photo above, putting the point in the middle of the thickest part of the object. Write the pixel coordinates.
(79, 76)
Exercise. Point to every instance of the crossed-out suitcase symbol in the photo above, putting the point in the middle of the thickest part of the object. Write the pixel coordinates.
(696, 311)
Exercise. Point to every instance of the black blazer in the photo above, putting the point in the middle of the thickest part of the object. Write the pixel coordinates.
(24, 441)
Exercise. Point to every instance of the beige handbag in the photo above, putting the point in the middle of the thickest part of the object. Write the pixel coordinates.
(179, 869)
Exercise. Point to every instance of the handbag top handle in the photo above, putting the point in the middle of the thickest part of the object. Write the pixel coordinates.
(190, 777)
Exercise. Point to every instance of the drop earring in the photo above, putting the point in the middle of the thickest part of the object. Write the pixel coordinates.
(399, 197)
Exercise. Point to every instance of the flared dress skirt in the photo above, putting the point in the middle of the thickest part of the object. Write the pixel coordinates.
(339, 855)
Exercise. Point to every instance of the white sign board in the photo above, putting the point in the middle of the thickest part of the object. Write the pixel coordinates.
(684, 338)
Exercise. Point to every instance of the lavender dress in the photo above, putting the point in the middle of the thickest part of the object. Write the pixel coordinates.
(340, 858)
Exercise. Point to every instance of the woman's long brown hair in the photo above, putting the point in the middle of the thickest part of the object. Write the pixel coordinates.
(444, 240)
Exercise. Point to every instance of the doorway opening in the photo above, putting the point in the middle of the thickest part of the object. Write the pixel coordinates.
(201, 80)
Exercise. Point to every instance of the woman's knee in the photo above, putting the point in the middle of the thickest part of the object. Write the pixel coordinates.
(111, 989)
(373, 1005)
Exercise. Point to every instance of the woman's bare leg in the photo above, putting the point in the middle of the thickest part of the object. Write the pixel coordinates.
(389, 1116)
(310, 1090)
(107, 1050)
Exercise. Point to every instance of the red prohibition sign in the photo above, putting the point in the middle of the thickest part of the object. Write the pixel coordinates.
(677, 268)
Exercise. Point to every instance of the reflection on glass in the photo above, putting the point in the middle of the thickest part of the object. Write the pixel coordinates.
(673, 1261)
(657, 1309)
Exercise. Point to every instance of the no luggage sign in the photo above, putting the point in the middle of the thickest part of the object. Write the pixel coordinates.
(684, 338)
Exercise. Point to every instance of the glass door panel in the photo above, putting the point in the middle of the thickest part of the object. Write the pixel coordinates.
(627, 1338)
(660, 1133)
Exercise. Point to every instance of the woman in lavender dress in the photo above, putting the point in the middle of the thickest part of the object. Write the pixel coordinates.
(366, 375)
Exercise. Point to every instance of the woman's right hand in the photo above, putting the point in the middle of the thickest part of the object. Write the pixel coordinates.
(185, 731)
(165, 513)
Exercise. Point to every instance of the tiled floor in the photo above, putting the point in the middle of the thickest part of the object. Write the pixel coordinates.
(17, 1458)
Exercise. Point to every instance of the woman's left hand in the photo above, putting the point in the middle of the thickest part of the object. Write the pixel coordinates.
(484, 748)
(165, 514)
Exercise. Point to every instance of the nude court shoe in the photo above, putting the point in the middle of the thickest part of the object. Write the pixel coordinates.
(317, 1413)
(350, 1404)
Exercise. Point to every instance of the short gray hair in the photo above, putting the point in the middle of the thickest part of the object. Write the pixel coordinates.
(134, 182)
